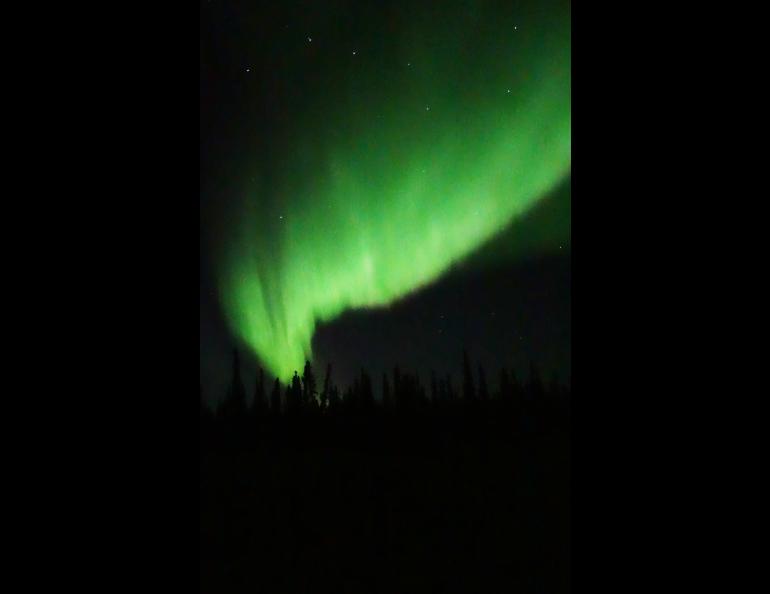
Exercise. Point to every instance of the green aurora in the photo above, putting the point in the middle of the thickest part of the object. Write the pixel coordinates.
(396, 173)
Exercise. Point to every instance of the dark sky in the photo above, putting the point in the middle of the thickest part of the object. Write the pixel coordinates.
(508, 303)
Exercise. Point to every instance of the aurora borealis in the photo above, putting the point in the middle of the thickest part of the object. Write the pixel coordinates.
(405, 152)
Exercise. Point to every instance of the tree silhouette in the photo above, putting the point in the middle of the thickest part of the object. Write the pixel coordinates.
(294, 394)
(258, 405)
(334, 399)
(366, 394)
(443, 391)
(289, 399)
(308, 386)
(516, 388)
(275, 398)
(234, 405)
(386, 396)
(396, 382)
(450, 392)
(326, 393)
(506, 388)
(469, 391)
(402, 393)
(535, 386)
(434, 392)
(483, 391)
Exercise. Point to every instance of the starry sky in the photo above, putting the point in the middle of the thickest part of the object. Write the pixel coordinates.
(384, 183)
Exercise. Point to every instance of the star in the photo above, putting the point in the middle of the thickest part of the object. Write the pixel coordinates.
(508, 91)
(248, 70)
(427, 108)
(354, 52)
(309, 39)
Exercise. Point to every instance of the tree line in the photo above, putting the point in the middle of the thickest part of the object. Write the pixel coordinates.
(506, 403)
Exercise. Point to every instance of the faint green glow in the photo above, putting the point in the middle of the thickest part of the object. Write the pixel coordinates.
(377, 196)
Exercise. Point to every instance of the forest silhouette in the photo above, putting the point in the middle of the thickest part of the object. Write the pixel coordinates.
(431, 487)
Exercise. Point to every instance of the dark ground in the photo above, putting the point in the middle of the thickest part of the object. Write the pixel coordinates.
(470, 501)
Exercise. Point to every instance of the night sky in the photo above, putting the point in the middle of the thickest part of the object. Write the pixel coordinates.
(384, 184)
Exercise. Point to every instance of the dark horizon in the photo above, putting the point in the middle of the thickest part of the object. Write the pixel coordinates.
(425, 380)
